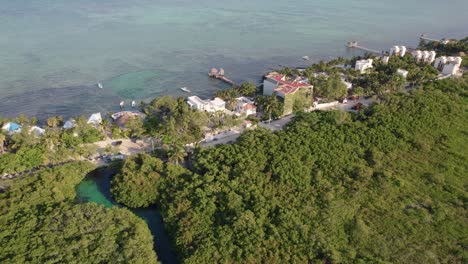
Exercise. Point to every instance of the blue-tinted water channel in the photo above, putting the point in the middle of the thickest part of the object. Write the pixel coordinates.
(96, 188)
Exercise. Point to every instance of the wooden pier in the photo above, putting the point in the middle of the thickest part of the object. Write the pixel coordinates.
(219, 74)
(423, 37)
(355, 45)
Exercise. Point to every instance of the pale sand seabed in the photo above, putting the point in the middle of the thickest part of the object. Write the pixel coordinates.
(141, 48)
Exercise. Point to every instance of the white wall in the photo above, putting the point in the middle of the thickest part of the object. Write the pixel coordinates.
(450, 68)
(326, 105)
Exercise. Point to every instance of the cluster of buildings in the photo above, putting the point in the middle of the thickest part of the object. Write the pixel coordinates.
(424, 56)
(211, 106)
(243, 105)
(12, 127)
(274, 84)
(399, 51)
(446, 65)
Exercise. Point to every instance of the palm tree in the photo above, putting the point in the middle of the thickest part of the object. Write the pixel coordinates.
(229, 96)
(176, 153)
(271, 104)
(287, 71)
(54, 121)
(22, 119)
(24, 138)
(2, 142)
(51, 139)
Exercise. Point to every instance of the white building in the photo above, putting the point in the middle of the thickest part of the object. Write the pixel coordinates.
(424, 56)
(214, 105)
(95, 119)
(448, 65)
(432, 56)
(440, 62)
(451, 65)
(196, 103)
(70, 124)
(245, 106)
(385, 59)
(417, 55)
(37, 131)
(363, 65)
(403, 73)
(398, 51)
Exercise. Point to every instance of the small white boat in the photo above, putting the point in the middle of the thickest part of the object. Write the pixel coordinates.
(306, 58)
(99, 85)
(185, 89)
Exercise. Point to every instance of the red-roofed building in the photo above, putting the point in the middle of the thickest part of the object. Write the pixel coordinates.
(293, 91)
(245, 106)
(279, 84)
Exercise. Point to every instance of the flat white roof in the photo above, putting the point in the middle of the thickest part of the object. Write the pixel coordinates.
(218, 102)
(196, 100)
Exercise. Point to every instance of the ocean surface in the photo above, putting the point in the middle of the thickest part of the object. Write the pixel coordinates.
(53, 53)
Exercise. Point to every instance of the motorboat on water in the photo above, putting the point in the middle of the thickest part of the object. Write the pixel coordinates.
(99, 85)
(306, 58)
(185, 89)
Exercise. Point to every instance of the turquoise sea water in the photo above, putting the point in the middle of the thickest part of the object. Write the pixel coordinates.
(52, 53)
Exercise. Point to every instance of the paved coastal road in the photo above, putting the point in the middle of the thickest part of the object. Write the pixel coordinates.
(277, 124)
(231, 136)
(222, 138)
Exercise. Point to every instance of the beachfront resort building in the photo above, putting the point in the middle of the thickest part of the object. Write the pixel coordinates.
(211, 106)
(448, 65)
(293, 90)
(245, 106)
(363, 65)
(398, 51)
(424, 56)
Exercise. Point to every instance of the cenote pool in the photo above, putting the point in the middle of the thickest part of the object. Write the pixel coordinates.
(96, 188)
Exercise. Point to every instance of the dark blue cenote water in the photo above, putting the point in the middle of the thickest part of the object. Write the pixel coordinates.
(96, 188)
(52, 53)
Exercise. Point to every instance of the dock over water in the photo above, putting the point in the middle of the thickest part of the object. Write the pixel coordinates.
(423, 37)
(355, 45)
(219, 74)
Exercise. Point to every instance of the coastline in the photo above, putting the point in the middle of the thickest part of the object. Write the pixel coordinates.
(72, 101)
